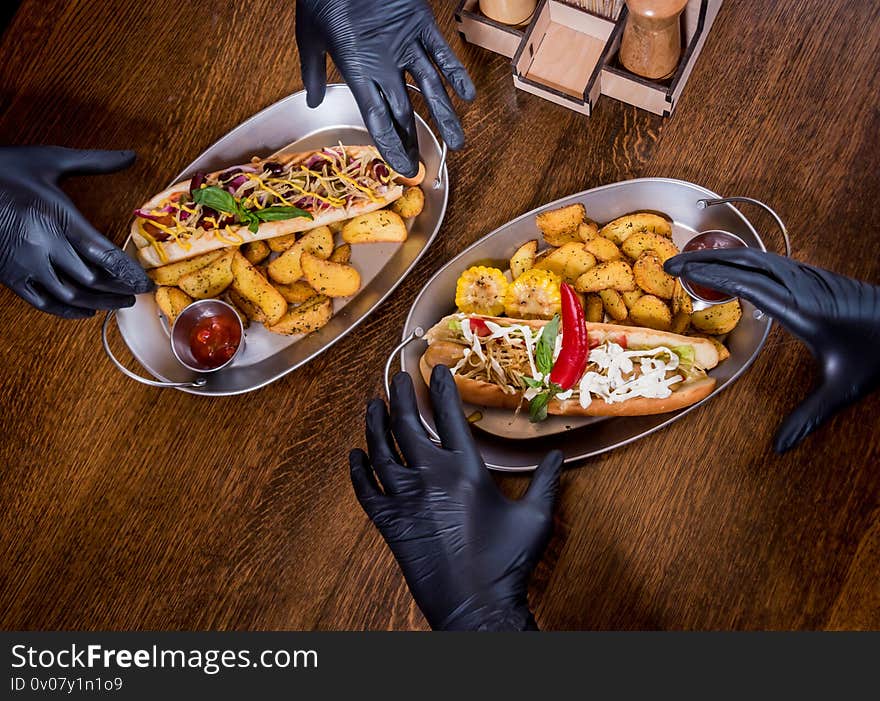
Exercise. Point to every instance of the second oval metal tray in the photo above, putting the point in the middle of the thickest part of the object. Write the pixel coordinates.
(579, 439)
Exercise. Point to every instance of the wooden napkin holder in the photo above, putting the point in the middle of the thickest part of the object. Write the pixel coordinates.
(569, 56)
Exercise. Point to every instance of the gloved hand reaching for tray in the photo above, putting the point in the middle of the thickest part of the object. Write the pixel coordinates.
(465, 549)
(373, 43)
(838, 318)
(50, 256)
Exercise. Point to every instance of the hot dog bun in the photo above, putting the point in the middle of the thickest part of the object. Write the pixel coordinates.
(448, 353)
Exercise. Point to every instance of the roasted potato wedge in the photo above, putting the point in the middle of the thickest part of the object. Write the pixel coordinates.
(629, 298)
(652, 312)
(341, 254)
(171, 273)
(587, 230)
(623, 227)
(640, 242)
(681, 322)
(286, 268)
(523, 258)
(172, 301)
(650, 276)
(380, 226)
(210, 280)
(242, 305)
(681, 300)
(410, 204)
(329, 278)
(603, 249)
(594, 311)
(281, 243)
(616, 275)
(569, 261)
(256, 251)
(306, 318)
(560, 226)
(250, 284)
(719, 319)
(296, 292)
(613, 304)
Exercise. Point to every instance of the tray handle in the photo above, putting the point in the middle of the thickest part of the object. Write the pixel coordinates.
(702, 204)
(417, 332)
(444, 150)
(199, 382)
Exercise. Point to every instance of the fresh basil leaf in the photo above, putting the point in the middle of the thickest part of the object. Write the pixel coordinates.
(538, 407)
(546, 345)
(253, 225)
(216, 198)
(531, 381)
(279, 213)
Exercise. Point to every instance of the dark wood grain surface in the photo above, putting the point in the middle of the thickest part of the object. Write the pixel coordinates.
(128, 507)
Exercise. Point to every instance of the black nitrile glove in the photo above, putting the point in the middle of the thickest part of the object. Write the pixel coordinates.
(465, 549)
(838, 318)
(373, 42)
(50, 256)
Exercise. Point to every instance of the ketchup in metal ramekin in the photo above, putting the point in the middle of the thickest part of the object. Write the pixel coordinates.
(710, 240)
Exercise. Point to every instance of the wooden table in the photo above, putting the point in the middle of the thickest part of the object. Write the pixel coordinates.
(127, 507)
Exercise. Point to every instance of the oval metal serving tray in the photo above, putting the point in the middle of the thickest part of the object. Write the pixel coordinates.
(291, 125)
(579, 439)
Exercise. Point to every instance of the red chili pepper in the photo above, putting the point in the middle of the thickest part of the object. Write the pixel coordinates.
(478, 327)
(572, 361)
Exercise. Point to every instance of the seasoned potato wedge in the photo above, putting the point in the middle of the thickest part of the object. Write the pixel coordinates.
(594, 311)
(245, 320)
(281, 243)
(523, 258)
(719, 319)
(307, 317)
(250, 284)
(286, 268)
(587, 230)
(681, 322)
(681, 300)
(569, 261)
(383, 225)
(341, 254)
(210, 280)
(652, 312)
(246, 307)
(651, 277)
(560, 226)
(642, 241)
(616, 275)
(296, 292)
(171, 273)
(410, 204)
(256, 251)
(329, 278)
(172, 301)
(623, 227)
(629, 298)
(603, 249)
(613, 304)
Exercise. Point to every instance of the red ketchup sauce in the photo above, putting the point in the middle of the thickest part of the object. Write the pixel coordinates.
(214, 340)
(701, 242)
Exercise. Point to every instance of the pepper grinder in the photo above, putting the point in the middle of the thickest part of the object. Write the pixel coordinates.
(651, 43)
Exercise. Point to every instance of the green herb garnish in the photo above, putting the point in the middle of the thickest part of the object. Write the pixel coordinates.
(219, 199)
(538, 405)
(546, 346)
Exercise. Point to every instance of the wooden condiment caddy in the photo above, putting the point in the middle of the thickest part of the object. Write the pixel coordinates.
(569, 55)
